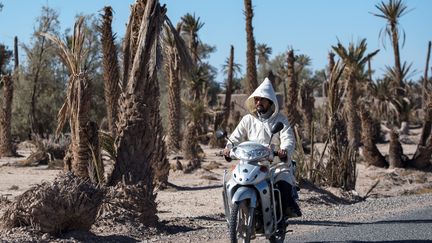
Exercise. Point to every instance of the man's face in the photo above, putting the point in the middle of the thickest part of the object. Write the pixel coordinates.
(262, 104)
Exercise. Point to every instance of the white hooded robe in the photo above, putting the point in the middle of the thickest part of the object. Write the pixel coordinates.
(251, 128)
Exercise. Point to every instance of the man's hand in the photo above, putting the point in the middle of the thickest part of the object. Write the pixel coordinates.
(226, 154)
(282, 154)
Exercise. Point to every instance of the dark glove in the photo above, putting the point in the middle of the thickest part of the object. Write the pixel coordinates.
(226, 154)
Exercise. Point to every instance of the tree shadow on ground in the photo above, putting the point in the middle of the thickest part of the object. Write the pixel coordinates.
(177, 226)
(326, 197)
(348, 224)
(171, 186)
(216, 218)
(85, 236)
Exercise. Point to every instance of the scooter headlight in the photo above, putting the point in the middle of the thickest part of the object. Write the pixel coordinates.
(251, 152)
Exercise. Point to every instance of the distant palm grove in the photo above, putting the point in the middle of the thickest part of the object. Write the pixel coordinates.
(113, 110)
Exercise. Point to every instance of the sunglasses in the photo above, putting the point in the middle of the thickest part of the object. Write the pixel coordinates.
(256, 99)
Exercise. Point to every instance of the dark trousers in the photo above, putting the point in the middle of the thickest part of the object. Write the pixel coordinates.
(286, 194)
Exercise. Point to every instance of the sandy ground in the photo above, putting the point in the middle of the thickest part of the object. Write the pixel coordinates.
(193, 202)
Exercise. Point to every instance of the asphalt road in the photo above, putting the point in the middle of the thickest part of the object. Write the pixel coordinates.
(411, 226)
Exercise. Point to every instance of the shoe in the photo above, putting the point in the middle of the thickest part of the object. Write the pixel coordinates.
(294, 211)
(297, 210)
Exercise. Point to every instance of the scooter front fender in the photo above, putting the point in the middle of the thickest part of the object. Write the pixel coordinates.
(243, 193)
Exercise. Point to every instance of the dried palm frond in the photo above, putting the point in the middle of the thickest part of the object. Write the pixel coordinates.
(72, 58)
(68, 203)
(107, 143)
(111, 72)
(95, 167)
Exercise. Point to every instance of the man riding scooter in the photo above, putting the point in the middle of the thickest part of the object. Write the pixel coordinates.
(255, 126)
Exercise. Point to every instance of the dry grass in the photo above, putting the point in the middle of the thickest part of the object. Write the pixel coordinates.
(423, 191)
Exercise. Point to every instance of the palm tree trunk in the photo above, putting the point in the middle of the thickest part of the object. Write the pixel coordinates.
(6, 149)
(227, 103)
(251, 71)
(307, 106)
(395, 41)
(353, 120)
(111, 73)
(425, 77)
(371, 154)
(174, 101)
(81, 152)
(16, 57)
(190, 142)
(395, 151)
(291, 102)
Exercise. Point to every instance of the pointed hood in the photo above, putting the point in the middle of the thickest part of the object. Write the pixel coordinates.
(264, 90)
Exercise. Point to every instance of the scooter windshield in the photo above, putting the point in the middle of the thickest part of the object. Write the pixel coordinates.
(251, 151)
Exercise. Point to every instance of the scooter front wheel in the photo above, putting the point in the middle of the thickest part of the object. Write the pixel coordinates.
(241, 222)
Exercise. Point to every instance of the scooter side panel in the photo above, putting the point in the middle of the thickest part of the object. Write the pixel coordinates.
(266, 205)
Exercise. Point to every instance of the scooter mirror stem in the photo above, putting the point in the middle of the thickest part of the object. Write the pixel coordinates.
(229, 140)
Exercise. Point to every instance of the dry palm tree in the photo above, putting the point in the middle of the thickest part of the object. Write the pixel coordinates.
(140, 148)
(111, 72)
(330, 68)
(191, 148)
(190, 27)
(197, 83)
(402, 103)
(425, 77)
(354, 60)
(263, 52)
(221, 118)
(392, 11)
(341, 166)
(172, 69)
(307, 101)
(177, 62)
(6, 84)
(76, 107)
(291, 101)
(6, 148)
(421, 158)
(251, 72)
(228, 88)
(301, 61)
(382, 97)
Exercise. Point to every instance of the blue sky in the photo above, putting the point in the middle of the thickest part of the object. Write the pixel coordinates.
(310, 27)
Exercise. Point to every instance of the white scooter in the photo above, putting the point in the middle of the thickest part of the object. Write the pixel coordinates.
(252, 204)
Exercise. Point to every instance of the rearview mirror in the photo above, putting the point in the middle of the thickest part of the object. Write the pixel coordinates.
(220, 134)
(277, 127)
